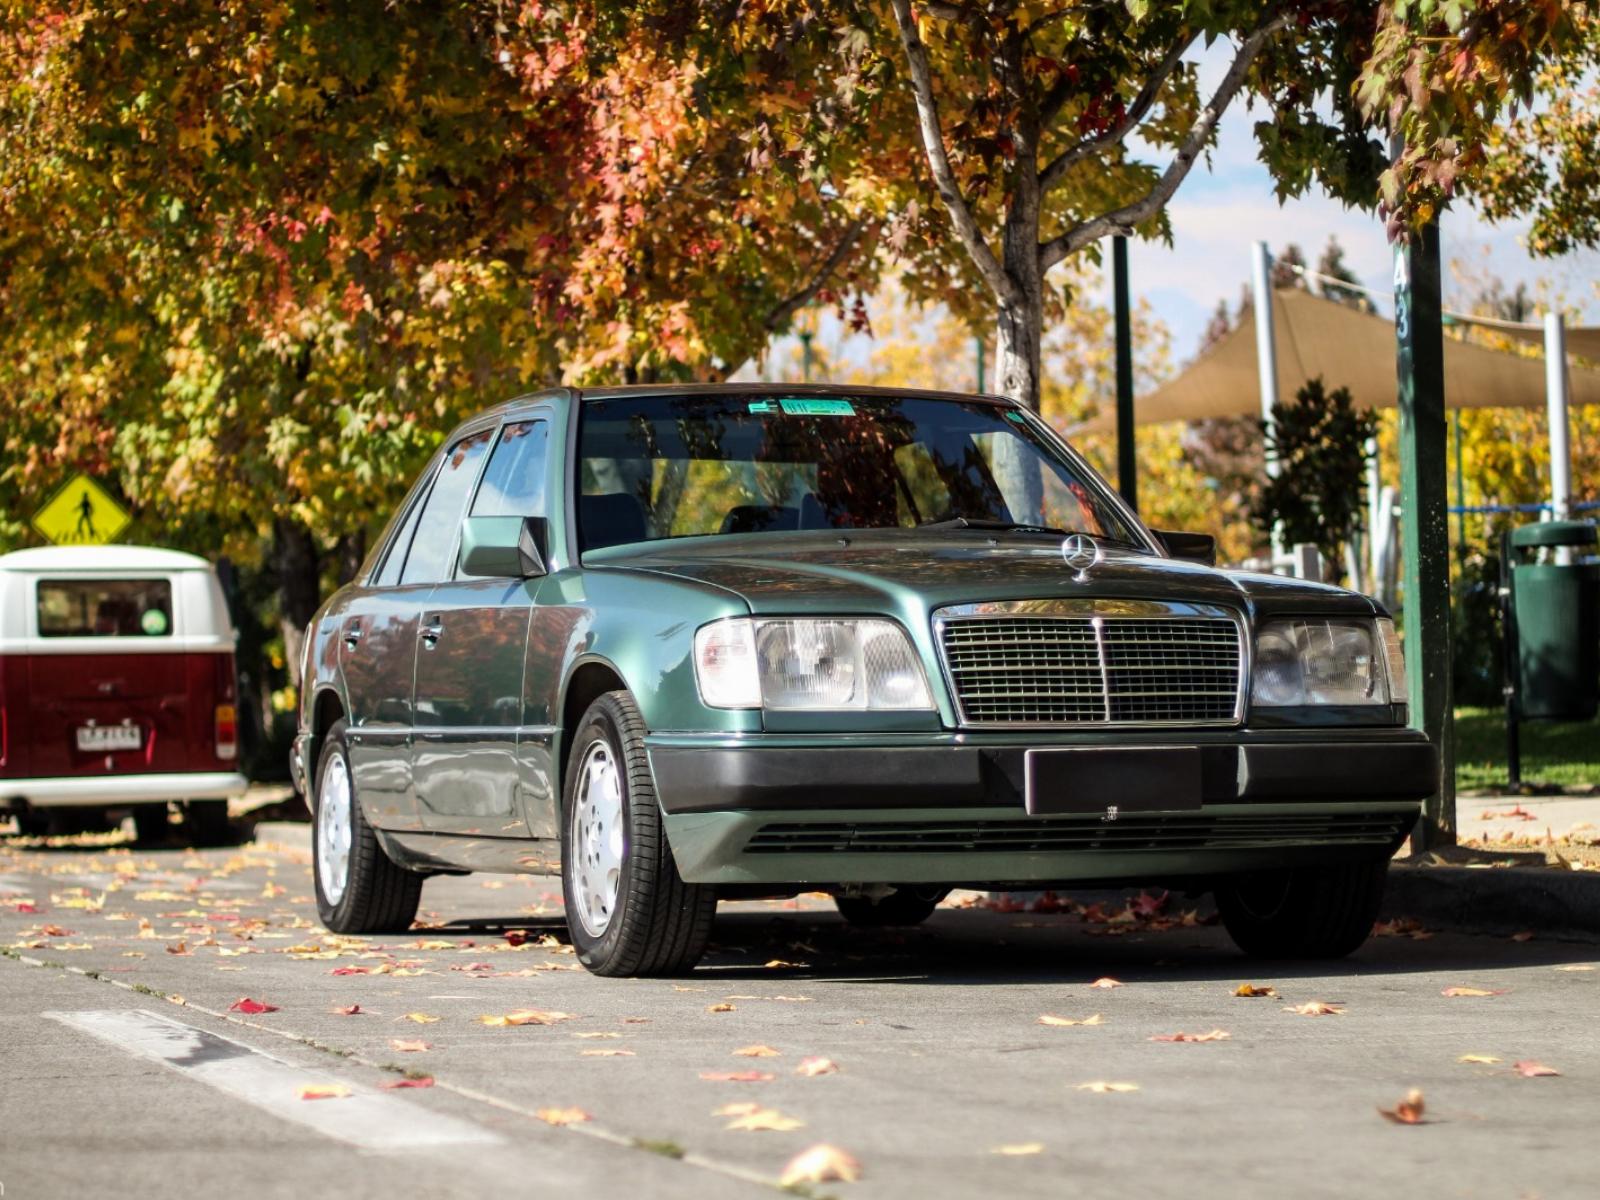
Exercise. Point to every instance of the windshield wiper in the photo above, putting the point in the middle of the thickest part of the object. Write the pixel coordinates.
(991, 524)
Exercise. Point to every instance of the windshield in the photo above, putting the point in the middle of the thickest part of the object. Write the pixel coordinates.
(657, 467)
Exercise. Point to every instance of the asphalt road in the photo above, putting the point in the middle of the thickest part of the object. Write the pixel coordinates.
(126, 1073)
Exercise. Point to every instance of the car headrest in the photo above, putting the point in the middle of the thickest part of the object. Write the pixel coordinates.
(611, 520)
(759, 518)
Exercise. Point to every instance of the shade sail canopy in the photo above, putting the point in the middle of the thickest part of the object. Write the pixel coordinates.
(1582, 340)
(1347, 348)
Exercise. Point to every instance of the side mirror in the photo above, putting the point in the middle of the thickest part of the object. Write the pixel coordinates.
(503, 547)
(1191, 547)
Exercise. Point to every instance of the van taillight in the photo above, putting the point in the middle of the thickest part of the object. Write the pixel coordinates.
(227, 731)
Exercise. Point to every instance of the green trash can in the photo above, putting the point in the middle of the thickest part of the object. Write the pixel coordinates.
(1557, 620)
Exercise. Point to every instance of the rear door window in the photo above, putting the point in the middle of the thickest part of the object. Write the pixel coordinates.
(136, 608)
(513, 482)
(429, 559)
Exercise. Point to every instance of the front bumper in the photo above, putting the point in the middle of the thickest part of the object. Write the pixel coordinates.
(951, 810)
(124, 789)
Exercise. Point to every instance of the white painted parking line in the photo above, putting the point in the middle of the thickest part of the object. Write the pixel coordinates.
(366, 1118)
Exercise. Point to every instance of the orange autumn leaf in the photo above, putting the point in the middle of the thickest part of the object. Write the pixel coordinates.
(324, 1091)
(719, 1008)
(1315, 1008)
(563, 1116)
(409, 1045)
(737, 1076)
(419, 1081)
(351, 1010)
(1250, 989)
(1472, 991)
(757, 1052)
(1216, 1035)
(1407, 1112)
(525, 1016)
(246, 1005)
(1048, 1019)
(1530, 1068)
(765, 1120)
(1105, 981)
(814, 1065)
(820, 1164)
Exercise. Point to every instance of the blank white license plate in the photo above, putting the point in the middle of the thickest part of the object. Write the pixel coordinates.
(97, 738)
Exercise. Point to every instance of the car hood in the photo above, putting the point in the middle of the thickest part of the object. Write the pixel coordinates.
(902, 571)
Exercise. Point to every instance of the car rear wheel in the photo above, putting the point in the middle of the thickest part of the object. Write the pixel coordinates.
(1303, 912)
(905, 906)
(151, 825)
(359, 890)
(628, 909)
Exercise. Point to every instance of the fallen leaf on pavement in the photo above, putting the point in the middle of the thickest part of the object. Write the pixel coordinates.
(719, 1008)
(1407, 1112)
(1531, 1068)
(351, 971)
(737, 1076)
(1471, 991)
(1048, 1019)
(1315, 1008)
(246, 1005)
(1020, 1148)
(1525, 935)
(610, 1033)
(409, 1045)
(563, 1116)
(178, 948)
(1576, 967)
(757, 1052)
(765, 1120)
(1216, 1035)
(526, 1016)
(324, 1091)
(606, 1053)
(1105, 981)
(420, 1018)
(352, 1010)
(1485, 1059)
(820, 1164)
(778, 964)
(420, 1081)
(814, 1065)
(1250, 989)
(1100, 1086)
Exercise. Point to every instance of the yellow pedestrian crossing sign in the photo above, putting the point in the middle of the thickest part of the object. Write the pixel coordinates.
(81, 514)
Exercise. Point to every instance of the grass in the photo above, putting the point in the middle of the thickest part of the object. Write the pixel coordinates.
(1566, 754)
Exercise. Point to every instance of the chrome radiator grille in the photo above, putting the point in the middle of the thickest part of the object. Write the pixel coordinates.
(1051, 663)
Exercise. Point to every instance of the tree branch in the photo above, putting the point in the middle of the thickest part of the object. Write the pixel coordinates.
(785, 309)
(944, 179)
(1122, 220)
(1053, 174)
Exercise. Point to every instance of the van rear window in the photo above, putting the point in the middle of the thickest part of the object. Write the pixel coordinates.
(105, 608)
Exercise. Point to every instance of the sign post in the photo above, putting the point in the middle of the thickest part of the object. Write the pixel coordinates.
(1425, 523)
(81, 514)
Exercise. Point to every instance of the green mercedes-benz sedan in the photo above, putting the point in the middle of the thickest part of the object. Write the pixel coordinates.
(688, 643)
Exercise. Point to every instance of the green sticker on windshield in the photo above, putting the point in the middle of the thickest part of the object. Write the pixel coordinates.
(1014, 415)
(763, 406)
(818, 408)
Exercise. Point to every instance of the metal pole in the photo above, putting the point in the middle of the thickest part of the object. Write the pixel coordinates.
(1266, 358)
(1425, 528)
(1510, 658)
(977, 344)
(1555, 395)
(1461, 492)
(1127, 462)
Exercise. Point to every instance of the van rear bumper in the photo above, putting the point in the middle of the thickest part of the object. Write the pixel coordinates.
(124, 789)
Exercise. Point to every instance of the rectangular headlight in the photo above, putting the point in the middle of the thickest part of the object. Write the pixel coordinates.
(781, 663)
(1309, 661)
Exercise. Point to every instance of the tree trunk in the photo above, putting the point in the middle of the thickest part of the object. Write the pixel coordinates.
(298, 567)
(1018, 356)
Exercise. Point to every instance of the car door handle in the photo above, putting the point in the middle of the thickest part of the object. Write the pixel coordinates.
(352, 634)
(431, 631)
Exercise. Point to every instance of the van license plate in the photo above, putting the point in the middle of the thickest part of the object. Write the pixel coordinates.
(101, 738)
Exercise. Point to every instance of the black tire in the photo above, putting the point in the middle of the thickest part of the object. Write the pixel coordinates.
(378, 896)
(903, 907)
(205, 823)
(151, 826)
(658, 925)
(1303, 912)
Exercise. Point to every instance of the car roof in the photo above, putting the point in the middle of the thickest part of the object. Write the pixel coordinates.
(97, 560)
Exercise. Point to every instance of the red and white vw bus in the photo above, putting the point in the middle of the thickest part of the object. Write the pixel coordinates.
(117, 690)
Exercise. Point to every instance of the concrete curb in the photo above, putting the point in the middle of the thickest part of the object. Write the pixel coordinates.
(1497, 899)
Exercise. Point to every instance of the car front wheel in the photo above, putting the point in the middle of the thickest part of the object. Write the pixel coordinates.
(359, 890)
(1303, 912)
(628, 909)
